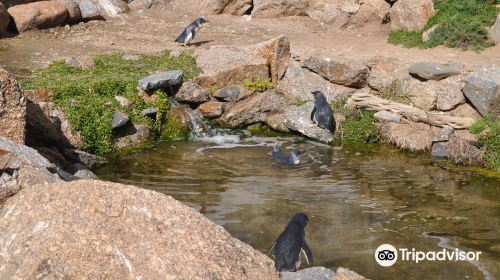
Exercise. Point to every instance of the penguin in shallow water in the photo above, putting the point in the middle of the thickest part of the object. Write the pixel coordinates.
(188, 34)
(291, 158)
(322, 114)
(290, 243)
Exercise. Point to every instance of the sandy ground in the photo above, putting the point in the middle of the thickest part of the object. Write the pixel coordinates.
(156, 29)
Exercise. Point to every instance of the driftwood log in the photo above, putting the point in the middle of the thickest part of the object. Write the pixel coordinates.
(375, 103)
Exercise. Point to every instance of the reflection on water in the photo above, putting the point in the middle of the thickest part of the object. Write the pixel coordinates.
(357, 198)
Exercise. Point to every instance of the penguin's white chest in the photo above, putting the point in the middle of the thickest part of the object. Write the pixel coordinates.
(189, 37)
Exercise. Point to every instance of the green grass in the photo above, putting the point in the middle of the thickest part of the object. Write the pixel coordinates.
(258, 85)
(488, 130)
(461, 24)
(299, 102)
(391, 92)
(87, 95)
(359, 124)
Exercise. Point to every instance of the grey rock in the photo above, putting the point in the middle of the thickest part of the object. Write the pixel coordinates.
(85, 174)
(89, 10)
(482, 88)
(298, 118)
(74, 13)
(65, 175)
(440, 150)
(450, 96)
(161, 80)
(112, 8)
(192, 92)
(28, 155)
(387, 116)
(311, 273)
(132, 135)
(444, 134)
(435, 71)
(89, 160)
(150, 112)
(340, 70)
(298, 83)
(231, 94)
(119, 120)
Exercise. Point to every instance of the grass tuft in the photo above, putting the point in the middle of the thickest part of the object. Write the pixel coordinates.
(488, 130)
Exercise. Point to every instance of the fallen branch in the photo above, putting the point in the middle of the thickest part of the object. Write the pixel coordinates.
(374, 103)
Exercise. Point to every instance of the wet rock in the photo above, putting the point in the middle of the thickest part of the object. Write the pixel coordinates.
(298, 84)
(311, 273)
(435, 71)
(386, 116)
(278, 8)
(411, 15)
(482, 89)
(346, 274)
(444, 134)
(12, 108)
(74, 13)
(123, 101)
(88, 160)
(494, 33)
(162, 80)
(132, 135)
(440, 150)
(38, 15)
(89, 10)
(253, 109)
(119, 120)
(277, 53)
(57, 227)
(192, 92)
(150, 112)
(340, 70)
(112, 8)
(370, 12)
(224, 66)
(298, 118)
(450, 96)
(4, 20)
(211, 109)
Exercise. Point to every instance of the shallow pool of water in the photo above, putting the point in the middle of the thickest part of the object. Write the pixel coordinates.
(357, 198)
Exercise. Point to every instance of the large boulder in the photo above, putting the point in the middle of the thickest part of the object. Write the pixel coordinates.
(370, 12)
(89, 10)
(443, 95)
(334, 13)
(298, 118)
(253, 109)
(450, 96)
(277, 53)
(311, 273)
(4, 20)
(387, 72)
(482, 89)
(161, 80)
(38, 15)
(235, 7)
(74, 13)
(411, 15)
(298, 84)
(112, 8)
(435, 71)
(279, 8)
(93, 230)
(340, 70)
(12, 108)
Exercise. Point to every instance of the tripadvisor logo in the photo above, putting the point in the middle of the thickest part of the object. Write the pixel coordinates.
(387, 255)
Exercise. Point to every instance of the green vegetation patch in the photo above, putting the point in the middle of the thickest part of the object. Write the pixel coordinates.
(87, 95)
(488, 130)
(359, 124)
(460, 24)
(392, 92)
(258, 85)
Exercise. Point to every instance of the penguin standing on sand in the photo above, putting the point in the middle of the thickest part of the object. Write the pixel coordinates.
(188, 34)
(291, 158)
(322, 114)
(290, 244)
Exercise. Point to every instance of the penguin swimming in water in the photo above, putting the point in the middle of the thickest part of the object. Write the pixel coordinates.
(291, 158)
(322, 114)
(290, 243)
(188, 34)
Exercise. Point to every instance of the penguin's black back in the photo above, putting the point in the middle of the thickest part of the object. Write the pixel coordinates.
(322, 112)
(190, 29)
(288, 245)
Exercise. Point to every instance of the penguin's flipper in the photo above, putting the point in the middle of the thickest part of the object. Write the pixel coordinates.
(272, 247)
(307, 253)
(312, 115)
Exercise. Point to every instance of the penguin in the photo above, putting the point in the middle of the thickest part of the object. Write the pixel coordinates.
(188, 34)
(291, 158)
(290, 243)
(322, 114)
